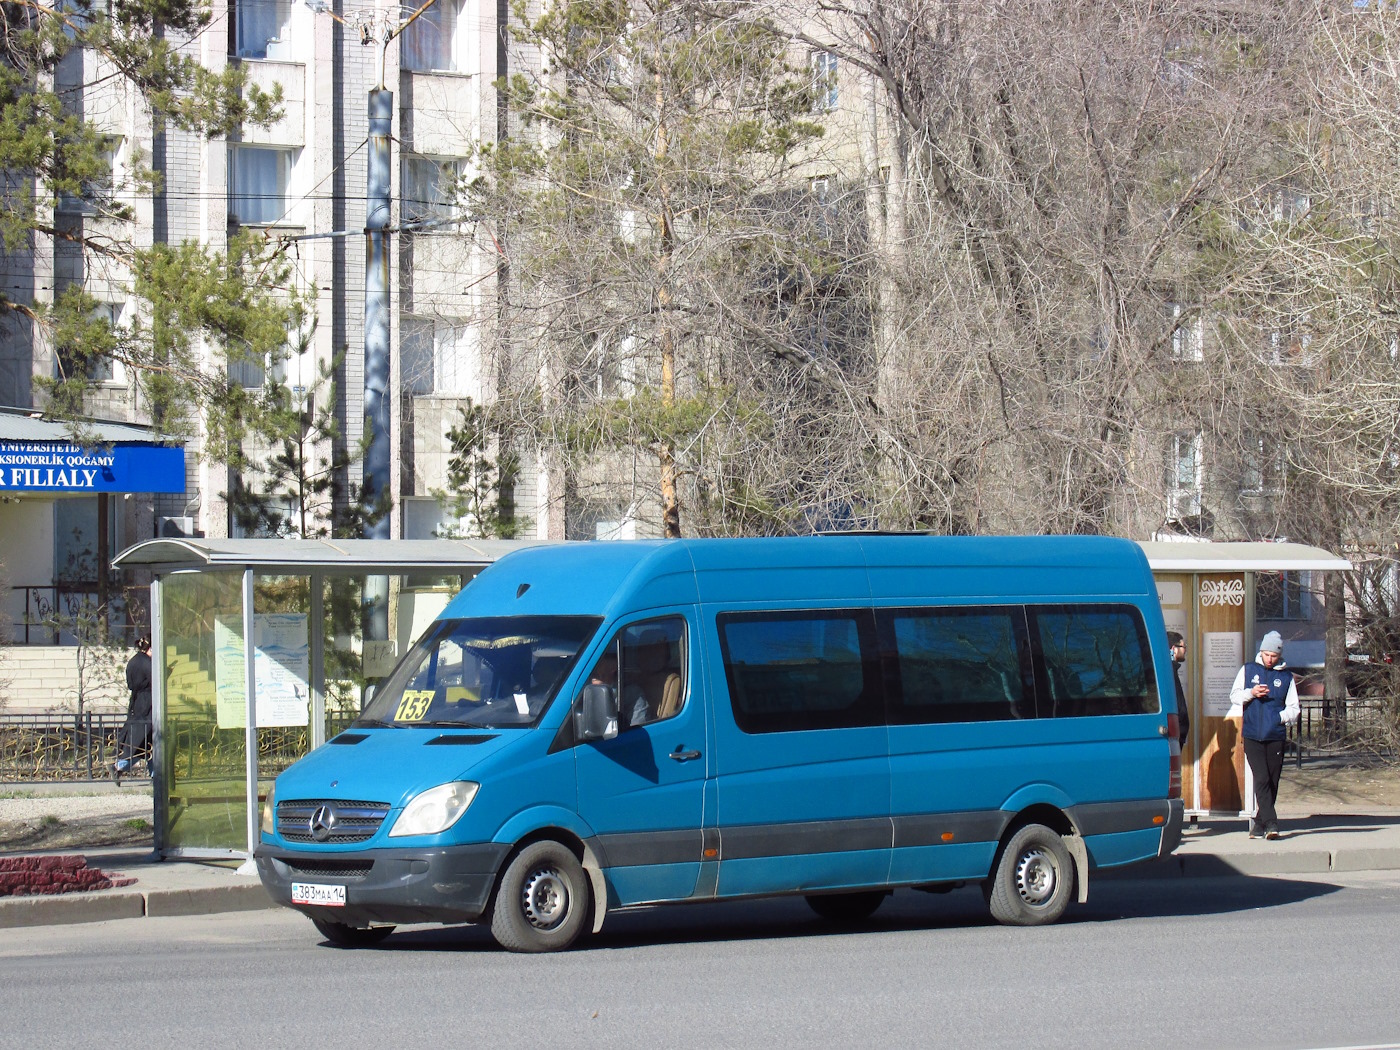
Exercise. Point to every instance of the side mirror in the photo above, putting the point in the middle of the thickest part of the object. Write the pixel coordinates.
(369, 694)
(595, 714)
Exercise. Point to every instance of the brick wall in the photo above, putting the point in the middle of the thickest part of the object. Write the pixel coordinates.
(43, 679)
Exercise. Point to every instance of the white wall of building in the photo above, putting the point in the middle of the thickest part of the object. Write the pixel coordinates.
(27, 526)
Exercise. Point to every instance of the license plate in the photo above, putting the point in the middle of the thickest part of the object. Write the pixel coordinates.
(318, 893)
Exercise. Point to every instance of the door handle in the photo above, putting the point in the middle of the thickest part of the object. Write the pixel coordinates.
(684, 756)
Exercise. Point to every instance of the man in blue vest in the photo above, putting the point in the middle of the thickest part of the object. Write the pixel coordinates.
(1266, 698)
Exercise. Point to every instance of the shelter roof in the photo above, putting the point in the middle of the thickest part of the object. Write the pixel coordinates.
(1238, 557)
(295, 555)
(298, 556)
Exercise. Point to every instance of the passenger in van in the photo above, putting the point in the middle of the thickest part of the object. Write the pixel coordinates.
(632, 707)
(652, 679)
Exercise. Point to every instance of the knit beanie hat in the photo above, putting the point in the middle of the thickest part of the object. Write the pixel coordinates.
(1272, 643)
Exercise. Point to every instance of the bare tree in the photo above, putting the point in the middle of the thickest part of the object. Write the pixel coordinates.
(1059, 170)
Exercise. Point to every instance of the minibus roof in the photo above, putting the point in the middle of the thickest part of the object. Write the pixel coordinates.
(599, 579)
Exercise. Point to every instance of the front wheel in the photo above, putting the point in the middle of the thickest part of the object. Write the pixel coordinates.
(1033, 879)
(351, 936)
(542, 902)
(847, 907)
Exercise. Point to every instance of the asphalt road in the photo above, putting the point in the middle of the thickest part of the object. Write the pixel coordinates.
(1241, 962)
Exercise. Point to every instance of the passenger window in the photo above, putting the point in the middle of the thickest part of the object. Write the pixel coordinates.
(792, 671)
(1095, 659)
(645, 665)
(959, 665)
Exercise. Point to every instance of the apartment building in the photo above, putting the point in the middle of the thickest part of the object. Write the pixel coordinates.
(300, 181)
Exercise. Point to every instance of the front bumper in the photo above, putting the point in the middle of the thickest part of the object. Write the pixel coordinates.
(397, 886)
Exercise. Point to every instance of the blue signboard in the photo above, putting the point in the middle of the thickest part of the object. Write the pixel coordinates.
(60, 466)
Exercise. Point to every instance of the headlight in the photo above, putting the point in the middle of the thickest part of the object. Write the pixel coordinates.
(269, 810)
(435, 810)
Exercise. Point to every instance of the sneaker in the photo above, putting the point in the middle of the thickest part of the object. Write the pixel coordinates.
(1272, 833)
(1254, 830)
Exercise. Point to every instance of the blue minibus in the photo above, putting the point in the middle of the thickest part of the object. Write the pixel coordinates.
(593, 726)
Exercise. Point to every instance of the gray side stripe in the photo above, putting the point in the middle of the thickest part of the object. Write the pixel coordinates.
(818, 836)
(929, 829)
(650, 847)
(1108, 818)
(630, 849)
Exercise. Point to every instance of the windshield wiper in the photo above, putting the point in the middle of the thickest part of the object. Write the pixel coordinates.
(370, 723)
(448, 724)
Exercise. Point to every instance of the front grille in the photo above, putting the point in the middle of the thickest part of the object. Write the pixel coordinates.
(334, 869)
(338, 820)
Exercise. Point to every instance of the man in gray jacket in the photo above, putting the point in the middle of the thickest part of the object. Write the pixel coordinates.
(1265, 697)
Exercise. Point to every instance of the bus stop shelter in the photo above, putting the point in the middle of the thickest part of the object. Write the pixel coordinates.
(228, 717)
(1208, 593)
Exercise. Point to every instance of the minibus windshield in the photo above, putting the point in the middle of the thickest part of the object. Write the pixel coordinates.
(489, 672)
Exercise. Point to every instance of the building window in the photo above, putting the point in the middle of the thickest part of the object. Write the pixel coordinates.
(426, 191)
(1183, 475)
(104, 368)
(1289, 345)
(1285, 204)
(825, 93)
(431, 44)
(1265, 458)
(1179, 64)
(257, 184)
(97, 186)
(90, 351)
(1188, 332)
(1282, 596)
(438, 356)
(262, 28)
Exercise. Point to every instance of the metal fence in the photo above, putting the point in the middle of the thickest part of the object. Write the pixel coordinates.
(1358, 725)
(48, 748)
(57, 748)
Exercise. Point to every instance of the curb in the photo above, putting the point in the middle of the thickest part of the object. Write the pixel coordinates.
(104, 906)
(1290, 862)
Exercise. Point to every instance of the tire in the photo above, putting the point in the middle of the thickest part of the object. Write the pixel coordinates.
(543, 900)
(847, 907)
(344, 936)
(1034, 879)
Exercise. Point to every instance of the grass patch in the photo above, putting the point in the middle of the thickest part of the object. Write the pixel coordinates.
(48, 820)
(137, 824)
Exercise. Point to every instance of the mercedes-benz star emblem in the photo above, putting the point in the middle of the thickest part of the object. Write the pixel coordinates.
(321, 823)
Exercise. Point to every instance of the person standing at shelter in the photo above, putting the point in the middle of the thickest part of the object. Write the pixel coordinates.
(135, 733)
(1183, 717)
(1265, 696)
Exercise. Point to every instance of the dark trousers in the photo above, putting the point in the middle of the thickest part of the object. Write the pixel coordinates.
(134, 741)
(1265, 758)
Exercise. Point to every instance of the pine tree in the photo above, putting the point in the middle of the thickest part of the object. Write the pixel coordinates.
(198, 309)
(665, 261)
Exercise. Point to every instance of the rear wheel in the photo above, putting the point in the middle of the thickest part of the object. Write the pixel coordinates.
(847, 907)
(351, 936)
(1033, 879)
(542, 902)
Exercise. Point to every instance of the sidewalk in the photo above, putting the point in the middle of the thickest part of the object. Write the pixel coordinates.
(171, 887)
(1214, 846)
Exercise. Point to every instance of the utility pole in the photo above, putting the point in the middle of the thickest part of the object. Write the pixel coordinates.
(377, 28)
